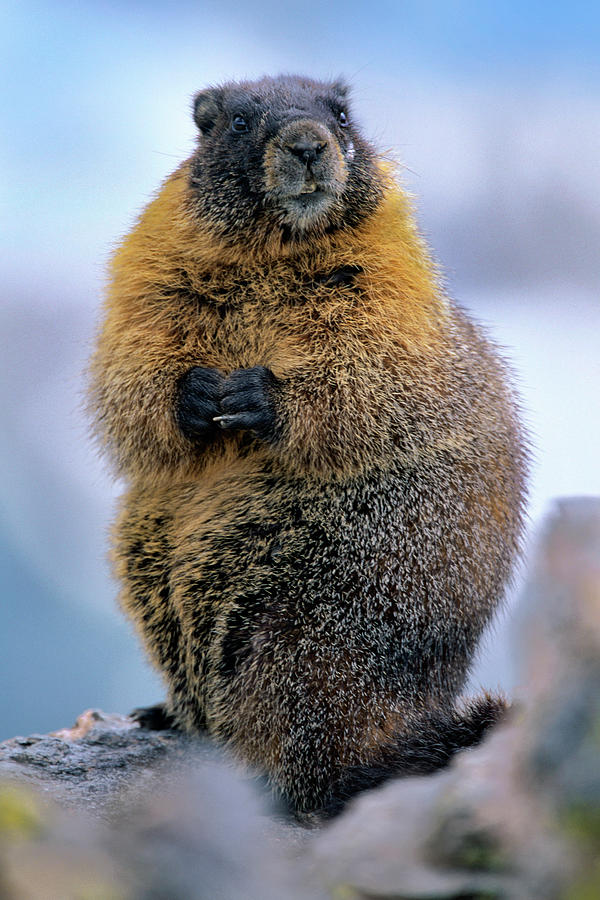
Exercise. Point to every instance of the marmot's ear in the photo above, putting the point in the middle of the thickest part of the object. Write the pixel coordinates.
(340, 87)
(206, 107)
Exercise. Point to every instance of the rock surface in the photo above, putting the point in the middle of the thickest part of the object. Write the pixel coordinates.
(138, 814)
(89, 765)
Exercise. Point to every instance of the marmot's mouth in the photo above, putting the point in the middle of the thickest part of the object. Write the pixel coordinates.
(309, 200)
(309, 191)
(313, 194)
(307, 210)
(309, 188)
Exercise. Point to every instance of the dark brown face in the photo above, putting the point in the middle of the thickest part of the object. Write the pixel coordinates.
(281, 154)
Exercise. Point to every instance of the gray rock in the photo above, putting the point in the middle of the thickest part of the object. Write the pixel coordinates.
(517, 818)
(90, 764)
(140, 814)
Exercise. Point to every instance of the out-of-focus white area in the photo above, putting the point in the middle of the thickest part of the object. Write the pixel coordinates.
(496, 118)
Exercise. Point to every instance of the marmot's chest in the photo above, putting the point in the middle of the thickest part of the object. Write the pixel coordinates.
(276, 321)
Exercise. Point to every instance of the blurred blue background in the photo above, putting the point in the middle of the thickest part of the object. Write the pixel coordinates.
(494, 109)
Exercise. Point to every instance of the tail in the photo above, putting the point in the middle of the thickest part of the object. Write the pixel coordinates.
(430, 745)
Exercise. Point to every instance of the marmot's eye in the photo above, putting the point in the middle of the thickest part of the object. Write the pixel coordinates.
(239, 124)
(343, 120)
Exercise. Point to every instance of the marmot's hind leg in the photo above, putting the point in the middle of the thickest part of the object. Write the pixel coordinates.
(143, 555)
(154, 718)
(433, 741)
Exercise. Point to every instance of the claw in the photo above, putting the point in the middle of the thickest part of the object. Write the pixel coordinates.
(226, 421)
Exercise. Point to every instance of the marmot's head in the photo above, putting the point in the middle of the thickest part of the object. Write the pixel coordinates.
(281, 155)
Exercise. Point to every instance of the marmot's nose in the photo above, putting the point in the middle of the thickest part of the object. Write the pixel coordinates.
(307, 151)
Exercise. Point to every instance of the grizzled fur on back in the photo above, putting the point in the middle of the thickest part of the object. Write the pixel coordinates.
(325, 466)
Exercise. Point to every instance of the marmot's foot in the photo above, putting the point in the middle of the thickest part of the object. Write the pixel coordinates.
(153, 718)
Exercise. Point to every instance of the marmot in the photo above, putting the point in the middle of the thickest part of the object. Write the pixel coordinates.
(325, 463)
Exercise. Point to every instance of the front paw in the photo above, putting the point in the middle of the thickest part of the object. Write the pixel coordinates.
(198, 396)
(248, 401)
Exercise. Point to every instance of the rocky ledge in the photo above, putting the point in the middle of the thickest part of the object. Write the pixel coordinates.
(107, 810)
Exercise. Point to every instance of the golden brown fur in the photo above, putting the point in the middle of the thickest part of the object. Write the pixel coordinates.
(308, 600)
